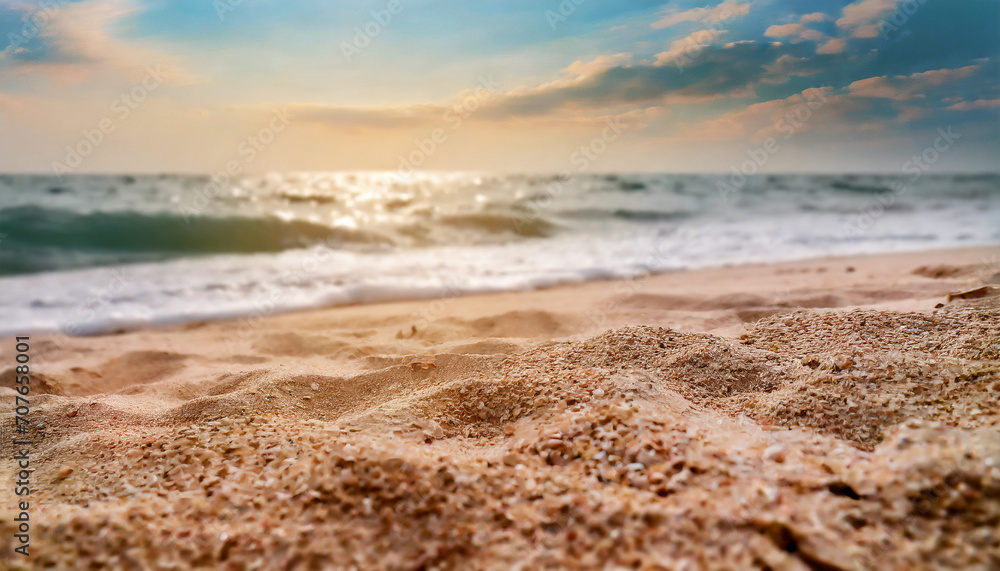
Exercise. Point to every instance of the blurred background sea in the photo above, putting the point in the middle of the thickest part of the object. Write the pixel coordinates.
(91, 253)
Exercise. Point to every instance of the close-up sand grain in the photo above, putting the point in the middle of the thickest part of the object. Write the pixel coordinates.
(574, 427)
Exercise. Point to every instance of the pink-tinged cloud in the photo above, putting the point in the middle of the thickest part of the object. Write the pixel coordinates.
(941, 76)
(815, 18)
(783, 30)
(758, 121)
(583, 69)
(861, 19)
(724, 11)
(82, 44)
(688, 47)
(875, 87)
(796, 30)
(977, 104)
(788, 65)
(902, 88)
(834, 46)
(912, 114)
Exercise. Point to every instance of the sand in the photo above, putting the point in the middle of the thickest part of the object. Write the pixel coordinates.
(813, 415)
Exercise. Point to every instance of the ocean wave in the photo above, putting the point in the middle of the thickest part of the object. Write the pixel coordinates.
(634, 215)
(40, 239)
(98, 220)
(518, 223)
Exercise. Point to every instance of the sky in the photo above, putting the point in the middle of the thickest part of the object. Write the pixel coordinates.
(116, 86)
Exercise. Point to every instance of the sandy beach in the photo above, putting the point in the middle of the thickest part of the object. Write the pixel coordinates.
(824, 414)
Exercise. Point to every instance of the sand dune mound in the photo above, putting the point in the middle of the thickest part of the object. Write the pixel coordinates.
(875, 369)
(479, 408)
(819, 441)
(290, 343)
(40, 382)
(964, 333)
(325, 397)
(704, 368)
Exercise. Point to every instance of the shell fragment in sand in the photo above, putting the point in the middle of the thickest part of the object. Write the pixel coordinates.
(985, 291)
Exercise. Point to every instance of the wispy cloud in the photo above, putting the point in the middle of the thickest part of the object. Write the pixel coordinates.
(913, 86)
(723, 11)
(77, 42)
(860, 19)
(977, 104)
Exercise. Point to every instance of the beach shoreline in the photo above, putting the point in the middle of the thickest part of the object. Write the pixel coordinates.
(699, 304)
(292, 243)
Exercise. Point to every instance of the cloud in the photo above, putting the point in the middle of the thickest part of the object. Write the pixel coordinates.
(581, 70)
(685, 49)
(912, 114)
(724, 11)
(716, 71)
(789, 65)
(587, 91)
(75, 43)
(682, 51)
(832, 46)
(796, 30)
(816, 17)
(778, 31)
(875, 87)
(902, 88)
(369, 117)
(977, 104)
(758, 121)
(940, 76)
(804, 30)
(860, 19)
(539, 104)
(426, 117)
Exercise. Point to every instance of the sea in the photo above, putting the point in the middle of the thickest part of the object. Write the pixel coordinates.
(88, 254)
